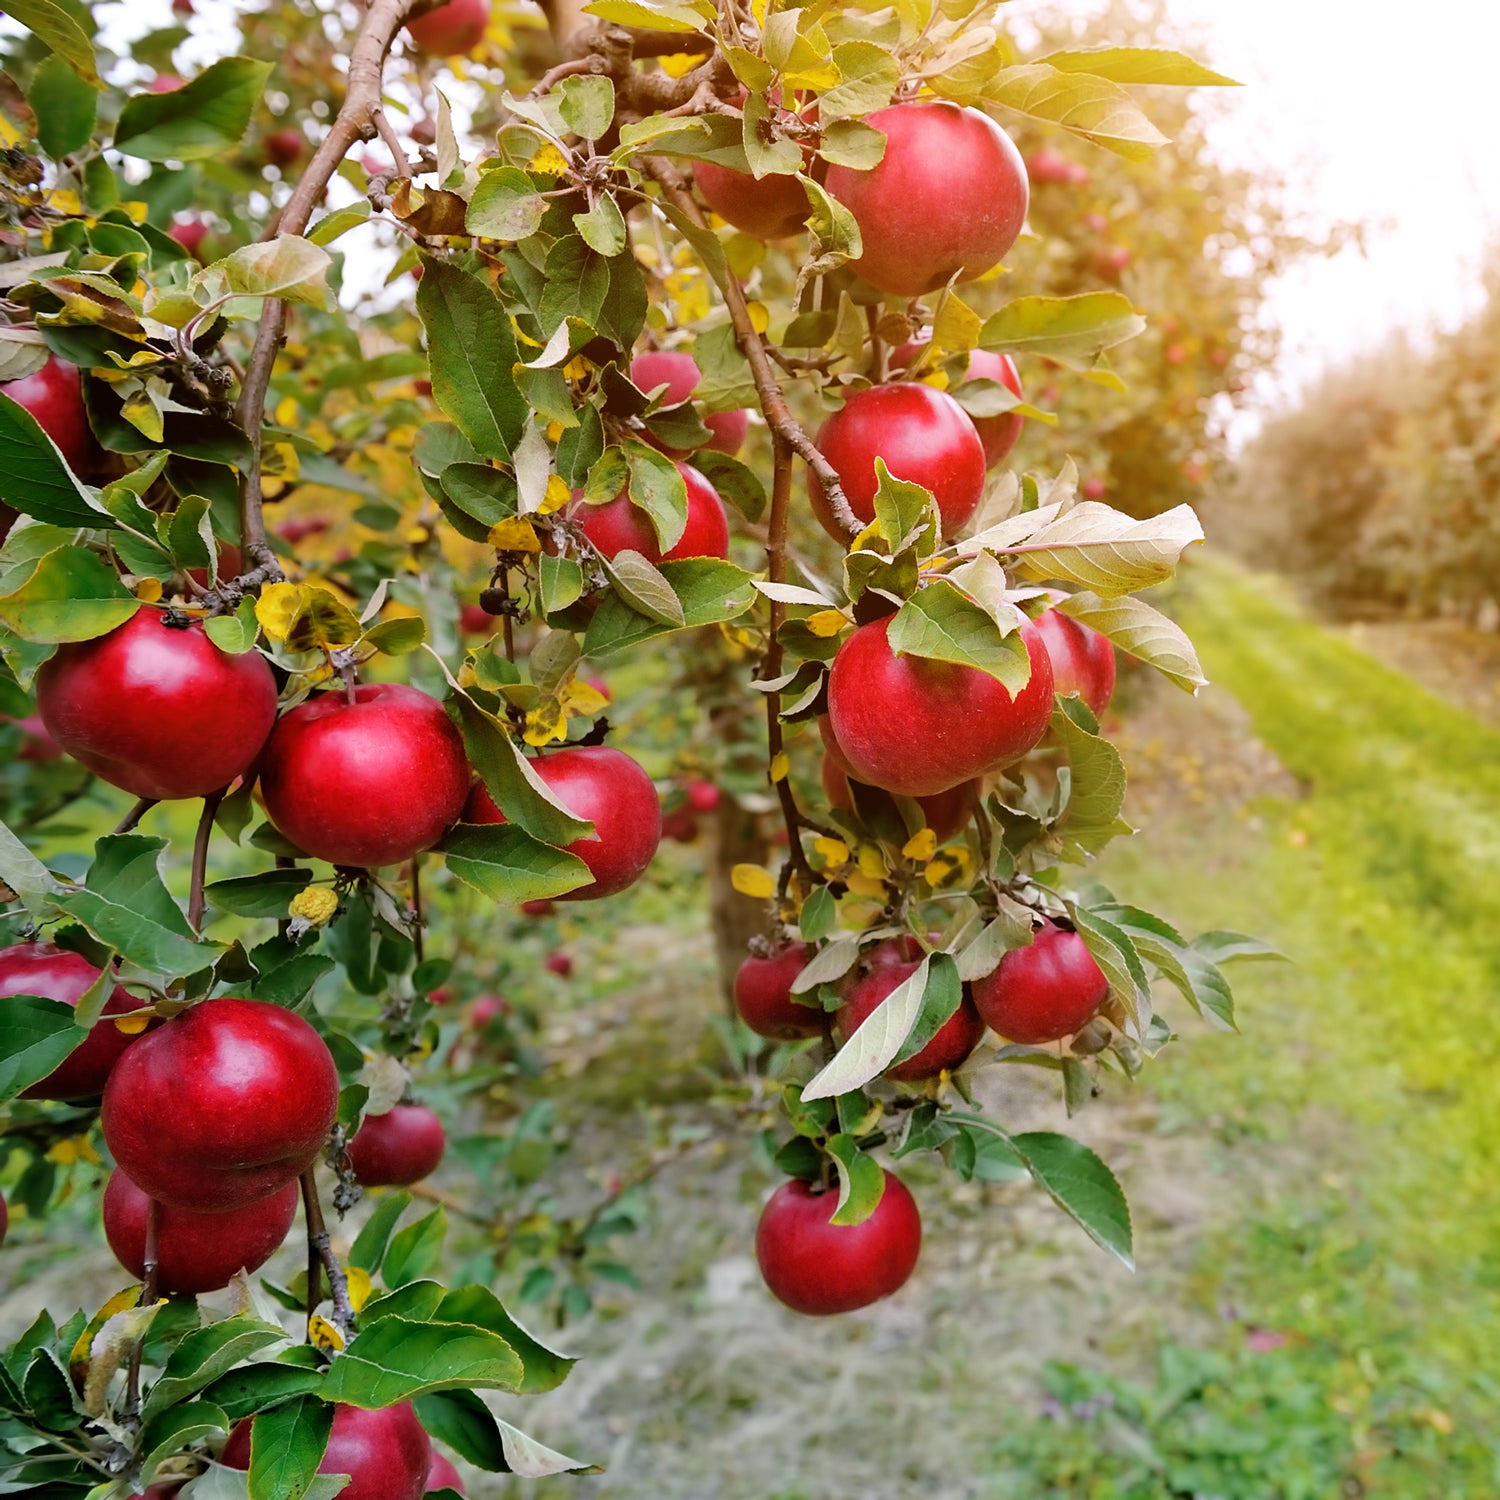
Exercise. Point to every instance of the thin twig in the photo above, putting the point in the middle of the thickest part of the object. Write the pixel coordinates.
(146, 1299)
(416, 907)
(392, 141)
(135, 814)
(320, 1258)
(772, 399)
(196, 899)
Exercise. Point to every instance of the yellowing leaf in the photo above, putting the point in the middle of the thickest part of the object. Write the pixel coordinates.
(760, 318)
(514, 534)
(545, 723)
(278, 606)
(305, 618)
(360, 1286)
(956, 327)
(286, 412)
(866, 885)
(323, 1335)
(557, 495)
(751, 880)
(148, 590)
(921, 846)
(871, 860)
(780, 766)
(132, 1025)
(582, 699)
(826, 622)
(75, 1149)
(549, 160)
(835, 851)
(951, 867)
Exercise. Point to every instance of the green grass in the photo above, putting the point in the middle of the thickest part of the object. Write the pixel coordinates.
(1358, 1114)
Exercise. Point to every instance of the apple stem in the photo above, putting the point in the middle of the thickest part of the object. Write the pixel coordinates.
(196, 899)
(134, 816)
(773, 402)
(146, 1299)
(355, 121)
(351, 682)
(320, 1258)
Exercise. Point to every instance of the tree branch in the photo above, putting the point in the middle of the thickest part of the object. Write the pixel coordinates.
(772, 399)
(320, 1258)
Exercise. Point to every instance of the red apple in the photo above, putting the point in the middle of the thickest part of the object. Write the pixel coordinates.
(386, 1453)
(397, 1148)
(283, 147)
(817, 1267)
(680, 825)
(189, 232)
(452, 29)
(484, 1010)
(165, 83)
(222, 1106)
(195, 1252)
(919, 727)
(1049, 165)
(763, 995)
(298, 528)
(831, 747)
(703, 796)
(560, 964)
(610, 790)
(1083, 661)
(619, 524)
(441, 1475)
(673, 368)
(923, 435)
(1175, 354)
(1096, 222)
(38, 748)
(729, 429)
(54, 396)
(475, 620)
(769, 209)
(956, 1038)
(949, 197)
(543, 908)
(1043, 992)
(947, 814)
(156, 708)
(1093, 488)
(367, 783)
(56, 974)
(999, 434)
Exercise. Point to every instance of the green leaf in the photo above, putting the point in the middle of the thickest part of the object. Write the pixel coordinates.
(709, 590)
(472, 350)
(506, 206)
(657, 487)
(900, 508)
(1145, 633)
(36, 1035)
(560, 580)
(25, 874)
(72, 595)
(942, 624)
(861, 1181)
(1157, 65)
(1096, 789)
(267, 894)
(1074, 331)
(54, 26)
(259, 1387)
(397, 637)
(819, 913)
(877, 1041)
(34, 479)
(650, 15)
(203, 119)
(1111, 948)
(736, 482)
(545, 1369)
(577, 282)
(942, 996)
(586, 103)
(287, 1444)
(870, 74)
(234, 633)
(506, 863)
(64, 103)
(1228, 947)
(603, 226)
(331, 226)
(369, 1245)
(204, 1355)
(393, 1360)
(172, 1430)
(1089, 106)
(287, 266)
(767, 152)
(414, 1251)
(1105, 550)
(125, 905)
(643, 588)
(852, 143)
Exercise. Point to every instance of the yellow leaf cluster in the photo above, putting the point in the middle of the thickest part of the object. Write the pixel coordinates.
(752, 880)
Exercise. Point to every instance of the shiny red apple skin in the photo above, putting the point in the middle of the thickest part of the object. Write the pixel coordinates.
(397, 1148)
(610, 790)
(1083, 661)
(54, 396)
(948, 197)
(283, 147)
(947, 814)
(956, 1038)
(560, 964)
(158, 709)
(442, 1475)
(387, 1453)
(222, 1105)
(921, 727)
(474, 620)
(190, 233)
(1043, 992)
(451, 30)
(769, 209)
(673, 368)
(763, 995)
(57, 974)
(369, 783)
(195, 1252)
(820, 1268)
(729, 429)
(923, 435)
(619, 525)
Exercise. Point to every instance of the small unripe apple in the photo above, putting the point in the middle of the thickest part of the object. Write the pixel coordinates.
(949, 197)
(1096, 223)
(1043, 992)
(54, 397)
(956, 1038)
(450, 30)
(1083, 661)
(56, 974)
(222, 1105)
(441, 1475)
(367, 783)
(818, 1267)
(610, 790)
(283, 147)
(195, 1252)
(619, 524)
(155, 708)
(561, 964)
(1047, 164)
(769, 209)
(395, 1149)
(763, 995)
(386, 1452)
(919, 727)
(923, 435)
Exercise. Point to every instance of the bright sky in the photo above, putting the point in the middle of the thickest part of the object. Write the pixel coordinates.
(1378, 112)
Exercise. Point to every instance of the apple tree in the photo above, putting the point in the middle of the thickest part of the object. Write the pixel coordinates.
(693, 233)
